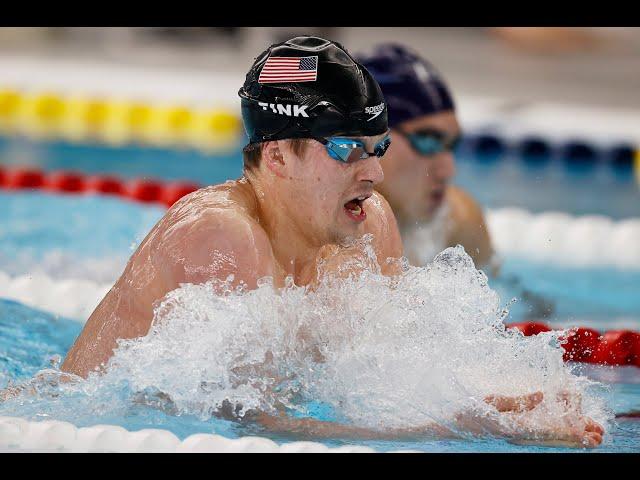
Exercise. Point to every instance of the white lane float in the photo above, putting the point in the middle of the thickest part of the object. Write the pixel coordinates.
(565, 240)
(17, 434)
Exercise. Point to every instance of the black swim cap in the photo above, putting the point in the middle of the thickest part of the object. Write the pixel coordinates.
(310, 87)
(411, 85)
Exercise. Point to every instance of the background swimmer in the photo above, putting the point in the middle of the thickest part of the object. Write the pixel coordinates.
(432, 214)
(420, 165)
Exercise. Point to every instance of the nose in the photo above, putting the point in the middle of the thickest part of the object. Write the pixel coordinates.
(370, 170)
(443, 166)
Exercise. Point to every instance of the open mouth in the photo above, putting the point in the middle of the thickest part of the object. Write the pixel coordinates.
(355, 208)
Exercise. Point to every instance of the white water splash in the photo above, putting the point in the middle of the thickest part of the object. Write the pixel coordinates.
(381, 352)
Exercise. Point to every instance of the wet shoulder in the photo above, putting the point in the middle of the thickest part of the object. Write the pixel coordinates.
(231, 201)
(221, 214)
(462, 205)
(381, 222)
(214, 233)
(233, 195)
(467, 225)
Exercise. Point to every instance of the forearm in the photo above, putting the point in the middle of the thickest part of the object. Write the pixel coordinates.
(318, 429)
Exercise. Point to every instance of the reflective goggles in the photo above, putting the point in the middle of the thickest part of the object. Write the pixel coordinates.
(349, 150)
(430, 142)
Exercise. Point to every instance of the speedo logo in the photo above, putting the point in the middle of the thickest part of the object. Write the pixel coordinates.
(375, 111)
(288, 110)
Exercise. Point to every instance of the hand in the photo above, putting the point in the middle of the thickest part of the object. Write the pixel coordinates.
(477, 424)
(572, 429)
(31, 387)
(577, 432)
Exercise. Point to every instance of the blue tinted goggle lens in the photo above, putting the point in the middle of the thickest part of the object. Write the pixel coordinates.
(349, 150)
(430, 144)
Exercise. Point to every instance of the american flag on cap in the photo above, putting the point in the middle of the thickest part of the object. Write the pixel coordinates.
(289, 69)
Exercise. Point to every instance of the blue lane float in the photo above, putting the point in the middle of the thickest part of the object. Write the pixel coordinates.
(579, 155)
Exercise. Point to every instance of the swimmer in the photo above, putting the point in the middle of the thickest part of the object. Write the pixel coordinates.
(307, 188)
(317, 127)
(432, 213)
(418, 168)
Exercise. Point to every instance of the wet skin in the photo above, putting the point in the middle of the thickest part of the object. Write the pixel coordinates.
(278, 220)
(417, 186)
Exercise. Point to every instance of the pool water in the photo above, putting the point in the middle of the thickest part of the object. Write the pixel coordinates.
(50, 240)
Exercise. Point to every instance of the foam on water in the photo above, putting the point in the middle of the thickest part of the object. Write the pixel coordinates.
(378, 352)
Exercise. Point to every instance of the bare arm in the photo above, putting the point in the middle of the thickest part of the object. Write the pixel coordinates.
(312, 428)
(387, 239)
(572, 431)
(212, 245)
(125, 312)
(319, 429)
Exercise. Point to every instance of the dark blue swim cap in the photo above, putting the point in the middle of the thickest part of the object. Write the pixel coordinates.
(411, 86)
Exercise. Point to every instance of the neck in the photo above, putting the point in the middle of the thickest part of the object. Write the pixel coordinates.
(293, 248)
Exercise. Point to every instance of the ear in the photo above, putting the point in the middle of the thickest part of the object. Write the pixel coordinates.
(273, 158)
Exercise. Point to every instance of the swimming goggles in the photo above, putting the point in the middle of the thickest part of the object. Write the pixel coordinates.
(430, 142)
(349, 150)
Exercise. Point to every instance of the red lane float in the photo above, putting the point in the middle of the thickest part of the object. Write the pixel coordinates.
(147, 191)
(581, 343)
(65, 182)
(618, 347)
(23, 178)
(141, 190)
(530, 328)
(615, 347)
(175, 191)
(105, 184)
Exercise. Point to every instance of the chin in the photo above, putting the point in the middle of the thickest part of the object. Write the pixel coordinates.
(345, 233)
